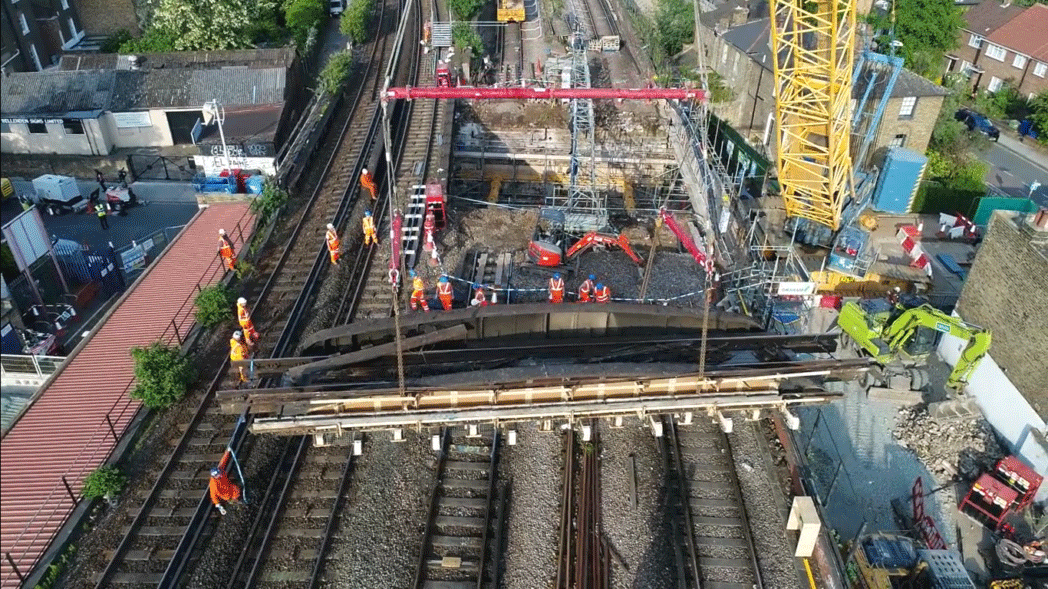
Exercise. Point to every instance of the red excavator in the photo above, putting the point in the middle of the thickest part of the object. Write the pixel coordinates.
(547, 244)
(685, 238)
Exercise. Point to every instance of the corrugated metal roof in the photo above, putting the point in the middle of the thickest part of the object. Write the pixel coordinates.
(254, 58)
(65, 431)
(174, 88)
(55, 92)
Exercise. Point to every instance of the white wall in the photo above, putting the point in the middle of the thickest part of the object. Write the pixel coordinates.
(56, 140)
(213, 165)
(1005, 408)
(156, 135)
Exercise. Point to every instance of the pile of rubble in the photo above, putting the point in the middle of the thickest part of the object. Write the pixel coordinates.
(949, 448)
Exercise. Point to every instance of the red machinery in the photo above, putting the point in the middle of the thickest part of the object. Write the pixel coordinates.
(516, 93)
(686, 240)
(1009, 488)
(594, 239)
(444, 79)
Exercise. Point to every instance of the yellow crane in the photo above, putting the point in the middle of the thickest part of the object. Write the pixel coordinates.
(813, 42)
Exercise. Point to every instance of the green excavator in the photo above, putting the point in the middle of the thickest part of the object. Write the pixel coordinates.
(895, 334)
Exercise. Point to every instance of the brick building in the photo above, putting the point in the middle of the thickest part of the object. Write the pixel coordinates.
(741, 54)
(33, 33)
(1003, 44)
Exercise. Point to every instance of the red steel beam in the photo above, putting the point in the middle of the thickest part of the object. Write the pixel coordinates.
(544, 93)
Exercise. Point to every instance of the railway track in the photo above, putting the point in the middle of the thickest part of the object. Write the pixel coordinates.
(162, 538)
(460, 545)
(710, 530)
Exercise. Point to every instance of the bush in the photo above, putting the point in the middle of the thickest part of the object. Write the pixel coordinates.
(269, 202)
(104, 481)
(114, 42)
(933, 197)
(335, 72)
(163, 375)
(302, 15)
(356, 20)
(214, 305)
(465, 38)
(465, 9)
(153, 41)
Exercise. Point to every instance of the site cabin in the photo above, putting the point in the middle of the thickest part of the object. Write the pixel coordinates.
(511, 11)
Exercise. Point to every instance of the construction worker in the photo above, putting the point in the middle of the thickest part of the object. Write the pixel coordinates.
(479, 299)
(418, 292)
(556, 289)
(370, 235)
(100, 210)
(238, 351)
(368, 181)
(222, 489)
(334, 245)
(602, 293)
(586, 290)
(225, 249)
(444, 292)
(244, 317)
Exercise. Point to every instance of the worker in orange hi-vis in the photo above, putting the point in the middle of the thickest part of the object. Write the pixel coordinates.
(225, 249)
(238, 351)
(444, 292)
(586, 289)
(244, 317)
(479, 298)
(334, 245)
(418, 292)
(556, 289)
(222, 489)
(370, 234)
(368, 181)
(603, 293)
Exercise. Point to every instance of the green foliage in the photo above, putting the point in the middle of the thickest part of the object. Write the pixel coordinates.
(465, 9)
(1005, 103)
(1039, 113)
(114, 42)
(199, 25)
(302, 15)
(674, 25)
(8, 266)
(269, 203)
(104, 481)
(933, 197)
(927, 29)
(214, 305)
(163, 375)
(356, 20)
(153, 41)
(266, 29)
(464, 37)
(243, 269)
(335, 72)
(57, 567)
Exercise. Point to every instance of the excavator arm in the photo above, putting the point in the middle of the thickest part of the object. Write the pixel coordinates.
(905, 326)
(685, 239)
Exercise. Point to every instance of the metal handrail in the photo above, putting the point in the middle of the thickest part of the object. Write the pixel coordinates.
(106, 427)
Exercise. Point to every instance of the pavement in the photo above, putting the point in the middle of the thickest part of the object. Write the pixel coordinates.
(1014, 165)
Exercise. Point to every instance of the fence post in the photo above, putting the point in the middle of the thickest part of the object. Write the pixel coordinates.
(178, 335)
(69, 490)
(11, 561)
(112, 429)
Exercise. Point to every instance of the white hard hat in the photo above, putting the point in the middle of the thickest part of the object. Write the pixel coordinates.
(241, 301)
(236, 334)
(221, 231)
(364, 171)
(330, 226)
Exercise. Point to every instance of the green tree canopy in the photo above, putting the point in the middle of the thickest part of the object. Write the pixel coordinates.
(927, 30)
(302, 15)
(356, 20)
(197, 25)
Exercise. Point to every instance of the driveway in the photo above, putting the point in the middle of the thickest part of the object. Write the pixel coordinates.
(1014, 166)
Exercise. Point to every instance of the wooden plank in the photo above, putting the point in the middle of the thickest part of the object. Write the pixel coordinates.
(478, 271)
(460, 522)
(500, 270)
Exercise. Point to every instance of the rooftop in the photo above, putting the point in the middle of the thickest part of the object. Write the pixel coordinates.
(55, 92)
(1026, 33)
(988, 16)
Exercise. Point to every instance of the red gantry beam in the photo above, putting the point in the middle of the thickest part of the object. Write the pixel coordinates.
(545, 93)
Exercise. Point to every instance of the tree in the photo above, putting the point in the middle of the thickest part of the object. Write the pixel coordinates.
(198, 25)
(335, 72)
(465, 9)
(927, 30)
(163, 375)
(270, 201)
(1039, 113)
(356, 20)
(153, 41)
(674, 24)
(302, 15)
(465, 38)
(214, 305)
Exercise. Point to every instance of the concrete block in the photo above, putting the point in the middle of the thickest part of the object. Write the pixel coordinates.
(805, 519)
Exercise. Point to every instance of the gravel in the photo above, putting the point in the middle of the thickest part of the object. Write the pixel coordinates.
(948, 448)
(535, 465)
(638, 534)
(378, 536)
(764, 506)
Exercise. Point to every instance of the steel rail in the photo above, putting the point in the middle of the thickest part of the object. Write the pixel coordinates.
(673, 462)
(431, 511)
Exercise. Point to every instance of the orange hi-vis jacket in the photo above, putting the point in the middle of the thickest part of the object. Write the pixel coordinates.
(244, 317)
(237, 350)
(333, 242)
(368, 181)
(223, 489)
(556, 289)
(225, 248)
(417, 286)
(443, 289)
(603, 295)
(480, 298)
(585, 289)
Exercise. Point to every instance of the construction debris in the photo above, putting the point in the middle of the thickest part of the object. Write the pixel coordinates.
(948, 448)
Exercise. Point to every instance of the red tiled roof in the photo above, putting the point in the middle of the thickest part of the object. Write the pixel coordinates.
(985, 18)
(65, 431)
(1026, 33)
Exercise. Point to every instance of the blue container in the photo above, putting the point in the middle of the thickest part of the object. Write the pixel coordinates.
(254, 184)
(900, 178)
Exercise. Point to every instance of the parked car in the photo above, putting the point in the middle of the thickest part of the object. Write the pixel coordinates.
(978, 122)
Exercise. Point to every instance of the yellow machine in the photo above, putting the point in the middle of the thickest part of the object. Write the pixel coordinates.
(814, 44)
(891, 561)
(510, 11)
(6, 189)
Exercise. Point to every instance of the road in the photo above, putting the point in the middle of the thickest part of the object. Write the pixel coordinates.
(1013, 167)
